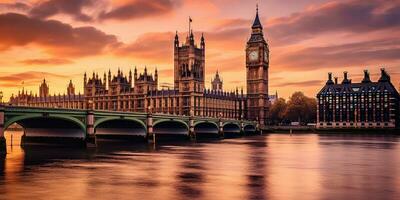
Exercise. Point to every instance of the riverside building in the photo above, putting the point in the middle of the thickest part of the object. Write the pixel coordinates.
(367, 104)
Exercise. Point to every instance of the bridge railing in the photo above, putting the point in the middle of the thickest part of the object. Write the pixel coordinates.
(19, 108)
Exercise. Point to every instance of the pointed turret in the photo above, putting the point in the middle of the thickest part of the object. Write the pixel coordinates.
(176, 42)
(202, 43)
(256, 30)
(130, 76)
(84, 79)
(191, 38)
(135, 74)
(256, 23)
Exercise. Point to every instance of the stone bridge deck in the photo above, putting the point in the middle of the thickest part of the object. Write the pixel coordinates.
(87, 125)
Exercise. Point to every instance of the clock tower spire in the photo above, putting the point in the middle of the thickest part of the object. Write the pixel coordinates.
(257, 64)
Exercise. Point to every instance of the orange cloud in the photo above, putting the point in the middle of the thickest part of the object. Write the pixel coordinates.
(50, 61)
(154, 47)
(28, 78)
(384, 51)
(309, 83)
(45, 9)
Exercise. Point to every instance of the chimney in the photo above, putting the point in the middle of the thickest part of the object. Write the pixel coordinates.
(366, 77)
(384, 76)
(345, 79)
(336, 80)
(329, 82)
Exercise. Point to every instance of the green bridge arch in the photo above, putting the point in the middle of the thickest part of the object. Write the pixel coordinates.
(105, 119)
(209, 122)
(170, 120)
(230, 122)
(35, 116)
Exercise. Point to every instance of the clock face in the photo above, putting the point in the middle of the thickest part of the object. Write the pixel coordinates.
(253, 55)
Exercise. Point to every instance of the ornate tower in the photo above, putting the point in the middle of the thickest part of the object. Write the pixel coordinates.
(70, 88)
(44, 89)
(216, 83)
(257, 64)
(189, 72)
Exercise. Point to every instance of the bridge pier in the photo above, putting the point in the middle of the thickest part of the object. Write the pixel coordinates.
(3, 145)
(258, 129)
(151, 137)
(192, 134)
(220, 128)
(242, 132)
(90, 134)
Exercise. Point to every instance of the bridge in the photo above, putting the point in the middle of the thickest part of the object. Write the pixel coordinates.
(56, 124)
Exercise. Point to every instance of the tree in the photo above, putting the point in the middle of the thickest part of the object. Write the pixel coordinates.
(277, 111)
(301, 108)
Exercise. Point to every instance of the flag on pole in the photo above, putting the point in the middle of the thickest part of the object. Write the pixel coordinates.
(190, 21)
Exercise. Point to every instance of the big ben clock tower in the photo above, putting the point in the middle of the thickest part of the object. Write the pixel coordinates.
(257, 64)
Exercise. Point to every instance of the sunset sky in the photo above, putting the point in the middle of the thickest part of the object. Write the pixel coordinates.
(61, 39)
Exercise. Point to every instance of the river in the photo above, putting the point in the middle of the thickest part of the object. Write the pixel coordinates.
(275, 166)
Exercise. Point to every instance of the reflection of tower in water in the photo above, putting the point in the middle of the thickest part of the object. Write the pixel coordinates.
(191, 174)
(257, 188)
(11, 164)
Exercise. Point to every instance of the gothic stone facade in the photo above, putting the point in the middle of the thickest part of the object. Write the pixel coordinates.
(358, 105)
(257, 65)
(139, 92)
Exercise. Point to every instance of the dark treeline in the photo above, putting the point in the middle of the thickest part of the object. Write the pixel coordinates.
(299, 108)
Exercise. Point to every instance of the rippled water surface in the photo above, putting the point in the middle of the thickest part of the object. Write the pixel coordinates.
(278, 166)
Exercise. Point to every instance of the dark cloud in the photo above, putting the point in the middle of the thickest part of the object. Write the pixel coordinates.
(73, 8)
(382, 52)
(355, 16)
(14, 6)
(50, 61)
(138, 9)
(55, 37)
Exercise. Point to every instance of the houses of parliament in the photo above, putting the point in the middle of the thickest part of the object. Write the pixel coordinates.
(138, 92)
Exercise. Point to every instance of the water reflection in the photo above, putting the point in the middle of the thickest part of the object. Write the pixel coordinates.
(279, 166)
(257, 176)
